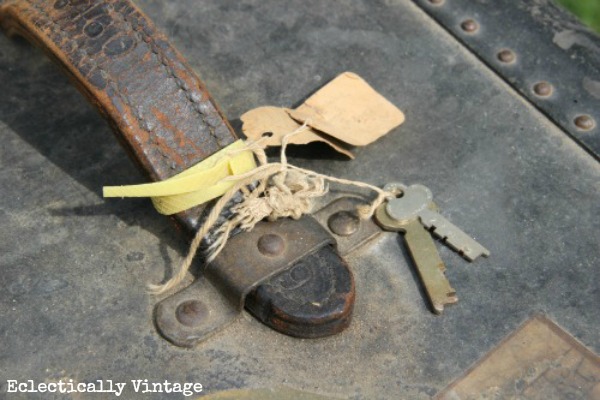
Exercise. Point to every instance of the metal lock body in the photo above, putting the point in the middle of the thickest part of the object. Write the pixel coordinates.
(286, 254)
(282, 260)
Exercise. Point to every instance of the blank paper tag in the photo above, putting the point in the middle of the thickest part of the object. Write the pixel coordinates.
(346, 112)
(350, 110)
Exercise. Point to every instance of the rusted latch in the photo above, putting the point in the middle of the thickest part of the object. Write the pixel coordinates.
(248, 260)
(279, 260)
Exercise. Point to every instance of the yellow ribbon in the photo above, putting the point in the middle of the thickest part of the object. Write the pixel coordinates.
(195, 185)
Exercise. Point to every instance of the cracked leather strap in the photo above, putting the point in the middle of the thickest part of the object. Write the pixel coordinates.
(166, 119)
(159, 109)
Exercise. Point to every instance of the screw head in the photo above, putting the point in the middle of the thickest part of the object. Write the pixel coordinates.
(191, 313)
(271, 245)
(469, 26)
(436, 2)
(584, 122)
(507, 56)
(344, 223)
(543, 89)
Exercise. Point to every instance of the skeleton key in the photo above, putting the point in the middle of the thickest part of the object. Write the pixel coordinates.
(406, 214)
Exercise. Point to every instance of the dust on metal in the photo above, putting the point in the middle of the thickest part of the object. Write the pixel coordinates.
(469, 26)
(584, 122)
(366, 230)
(344, 223)
(526, 43)
(191, 313)
(543, 89)
(506, 56)
(247, 261)
(271, 245)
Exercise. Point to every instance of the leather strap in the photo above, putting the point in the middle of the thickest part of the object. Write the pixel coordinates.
(166, 119)
(159, 109)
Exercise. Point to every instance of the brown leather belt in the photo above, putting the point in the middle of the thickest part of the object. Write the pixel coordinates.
(159, 109)
(167, 121)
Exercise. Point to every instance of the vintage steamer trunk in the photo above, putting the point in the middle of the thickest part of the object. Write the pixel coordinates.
(502, 102)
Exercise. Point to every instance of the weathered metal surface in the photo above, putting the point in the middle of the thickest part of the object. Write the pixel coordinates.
(282, 303)
(194, 314)
(75, 268)
(539, 360)
(243, 263)
(344, 223)
(540, 50)
(340, 216)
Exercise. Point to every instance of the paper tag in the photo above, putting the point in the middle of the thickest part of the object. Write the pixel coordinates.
(350, 110)
(274, 123)
(346, 112)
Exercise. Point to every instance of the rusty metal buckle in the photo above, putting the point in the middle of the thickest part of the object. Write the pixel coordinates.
(291, 255)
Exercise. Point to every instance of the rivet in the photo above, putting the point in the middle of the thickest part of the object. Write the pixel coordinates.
(191, 313)
(437, 2)
(507, 56)
(584, 122)
(344, 223)
(271, 245)
(543, 89)
(469, 26)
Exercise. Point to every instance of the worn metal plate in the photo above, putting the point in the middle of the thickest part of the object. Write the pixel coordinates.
(74, 268)
(243, 265)
(539, 361)
(539, 49)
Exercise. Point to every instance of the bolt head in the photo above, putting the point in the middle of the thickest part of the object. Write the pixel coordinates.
(271, 245)
(469, 26)
(584, 122)
(191, 313)
(344, 223)
(543, 89)
(507, 56)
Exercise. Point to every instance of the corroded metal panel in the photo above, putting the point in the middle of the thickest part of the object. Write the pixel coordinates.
(74, 268)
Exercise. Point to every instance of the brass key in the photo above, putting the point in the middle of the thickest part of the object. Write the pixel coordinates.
(421, 246)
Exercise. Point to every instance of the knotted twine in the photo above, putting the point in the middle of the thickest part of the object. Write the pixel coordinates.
(271, 191)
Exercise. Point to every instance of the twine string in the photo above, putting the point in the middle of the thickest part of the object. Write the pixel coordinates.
(279, 190)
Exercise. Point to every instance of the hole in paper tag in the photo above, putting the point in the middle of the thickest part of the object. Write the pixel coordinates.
(346, 112)
(274, 123)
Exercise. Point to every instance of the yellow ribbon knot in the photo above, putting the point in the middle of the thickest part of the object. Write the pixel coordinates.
(194, 186)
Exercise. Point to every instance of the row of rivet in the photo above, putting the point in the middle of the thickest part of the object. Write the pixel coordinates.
(541, 89)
